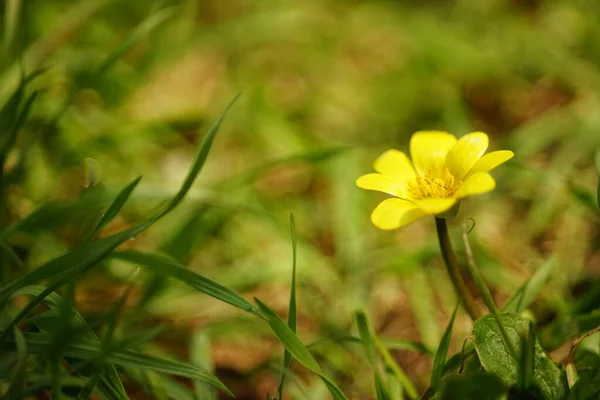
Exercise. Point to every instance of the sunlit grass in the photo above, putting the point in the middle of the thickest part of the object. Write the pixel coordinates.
(327, 86)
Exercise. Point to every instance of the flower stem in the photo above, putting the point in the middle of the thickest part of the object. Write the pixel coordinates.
(453, 269)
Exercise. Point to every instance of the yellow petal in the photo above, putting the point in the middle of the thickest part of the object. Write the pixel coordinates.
(491, 161)
(435, 206)
(382, 183)
(428, 150)
(479, 182)
(395, 164)
(465, 154)
(394, 213)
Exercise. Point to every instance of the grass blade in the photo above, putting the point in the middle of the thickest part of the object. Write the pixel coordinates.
(11, 21)
(287, 357)
(168, 267)
(114, 208)
(484, 289)
(141, 31)
(525, 295)
(364, 329)
(391, 365)
(291, 342)
(442, 352)
(526, 369)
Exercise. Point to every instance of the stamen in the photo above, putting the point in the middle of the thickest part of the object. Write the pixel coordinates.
(430, 186)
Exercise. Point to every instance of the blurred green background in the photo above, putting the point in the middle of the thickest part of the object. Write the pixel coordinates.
(131, 87)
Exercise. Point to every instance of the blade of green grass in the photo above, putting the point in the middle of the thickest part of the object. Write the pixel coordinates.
(527, 362)
(143, 337)
(391, 365)
(525, 295)
(167, 267)
(488, 299)
(200, 355)
(364, 329)
(287, 357)
(114, 208)
(107, 344)
(12, 13)
(393, 344)
(140, 32)
(442, 353)
(291, 342)
(366, 337)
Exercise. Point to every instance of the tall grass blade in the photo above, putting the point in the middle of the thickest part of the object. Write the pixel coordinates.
(287, 357)
(167, 267)
(364, 329)
(291, 342)
(114, 208)
(141, 31)
(525, 295)
(442, 353)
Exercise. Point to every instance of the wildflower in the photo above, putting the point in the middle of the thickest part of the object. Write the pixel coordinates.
(443, 171)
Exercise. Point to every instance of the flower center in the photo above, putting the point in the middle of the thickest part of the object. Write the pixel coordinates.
(433, 187)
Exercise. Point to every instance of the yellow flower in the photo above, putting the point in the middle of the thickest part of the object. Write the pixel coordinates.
(443, 171)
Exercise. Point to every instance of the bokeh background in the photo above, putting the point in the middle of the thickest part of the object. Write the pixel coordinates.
(326, 87)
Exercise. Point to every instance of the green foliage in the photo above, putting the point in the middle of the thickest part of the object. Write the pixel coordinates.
(101, 296)
(496, 358)
(480, 385)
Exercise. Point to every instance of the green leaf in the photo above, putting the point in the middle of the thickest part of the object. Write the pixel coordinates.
(586, 388)
(442, 352)
(479, 385)
(114, 208)
(525, 295)
(167, 267)
(496, 358)
(587, 385)
(291, 342)
(287, 357)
